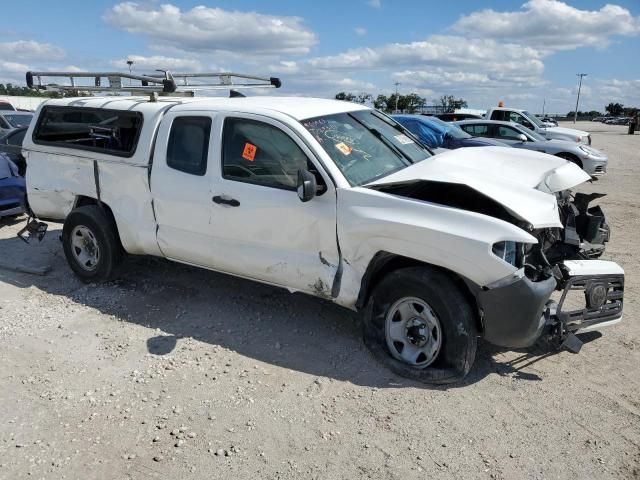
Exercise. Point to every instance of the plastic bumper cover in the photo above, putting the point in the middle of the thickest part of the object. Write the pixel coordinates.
(517, 314)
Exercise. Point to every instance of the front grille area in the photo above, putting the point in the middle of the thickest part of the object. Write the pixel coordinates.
(574, 309)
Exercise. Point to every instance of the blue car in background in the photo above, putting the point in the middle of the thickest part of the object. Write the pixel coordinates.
(13, 191)
(435, 133)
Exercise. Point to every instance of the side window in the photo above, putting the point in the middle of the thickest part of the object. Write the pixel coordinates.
(109, 131)
(476, 130)
(499, 115)
(517, 118)
(188, 146)
(508, 133)
(255, 152)
(16, 138)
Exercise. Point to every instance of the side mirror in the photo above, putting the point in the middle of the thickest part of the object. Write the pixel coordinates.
(307, 185)
(522, 137)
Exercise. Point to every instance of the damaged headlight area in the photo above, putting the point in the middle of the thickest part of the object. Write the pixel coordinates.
(507, 251)
(584, 235)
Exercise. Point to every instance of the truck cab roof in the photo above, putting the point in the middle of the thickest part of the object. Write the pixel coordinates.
(296, 107)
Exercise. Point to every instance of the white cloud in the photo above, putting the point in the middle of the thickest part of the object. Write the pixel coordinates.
(30, 50)
(360, 31)
(211, 30)
(504, 61)
(142, 63)
(551, 25)
(375, 3)
(14, 55)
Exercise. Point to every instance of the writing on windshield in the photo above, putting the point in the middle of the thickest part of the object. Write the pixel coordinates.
(365, 145)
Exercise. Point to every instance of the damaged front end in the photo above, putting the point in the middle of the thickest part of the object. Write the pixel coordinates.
(518, 311)
(533, 192)
(584, 234)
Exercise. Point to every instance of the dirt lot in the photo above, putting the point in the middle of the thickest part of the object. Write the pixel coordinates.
(175, 372)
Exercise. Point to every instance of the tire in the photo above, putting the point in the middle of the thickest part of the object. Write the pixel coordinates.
(458, 337)
(91, 226)
(571, 158)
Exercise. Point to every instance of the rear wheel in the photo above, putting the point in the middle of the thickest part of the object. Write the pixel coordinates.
(420, 324)
(91, 244)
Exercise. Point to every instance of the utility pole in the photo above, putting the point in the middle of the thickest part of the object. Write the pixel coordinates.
(130, 63)
(396, 84)
(575, 114)
(544, 103)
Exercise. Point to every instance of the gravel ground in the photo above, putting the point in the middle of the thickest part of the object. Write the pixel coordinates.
(182, 373)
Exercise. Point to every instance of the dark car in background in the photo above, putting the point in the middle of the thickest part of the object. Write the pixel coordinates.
(13, 190)
(11, 145)
(6, 106)
(454, 117)
(10, 119)
(436, 133)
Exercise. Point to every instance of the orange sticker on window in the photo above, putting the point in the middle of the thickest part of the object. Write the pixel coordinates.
(344, 148)
(249, 152)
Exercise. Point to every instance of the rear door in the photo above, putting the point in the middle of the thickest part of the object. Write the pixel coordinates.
(261, 228)
(181, 178)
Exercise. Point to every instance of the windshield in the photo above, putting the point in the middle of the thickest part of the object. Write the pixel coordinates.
(533, 119)
(536, 136)
(365, 145)
(18, 120)
(452, 129)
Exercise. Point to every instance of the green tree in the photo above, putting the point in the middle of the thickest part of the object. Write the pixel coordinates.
(381, 102)
(614, 109)
(450, 104)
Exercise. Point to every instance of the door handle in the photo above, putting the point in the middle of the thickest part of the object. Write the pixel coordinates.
(232, 202)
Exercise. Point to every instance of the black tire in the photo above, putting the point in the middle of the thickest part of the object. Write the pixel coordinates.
(104, 230)
(456, 317)
(571, 158)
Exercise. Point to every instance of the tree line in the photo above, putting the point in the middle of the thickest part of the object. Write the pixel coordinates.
(410, 103)
(612, 110)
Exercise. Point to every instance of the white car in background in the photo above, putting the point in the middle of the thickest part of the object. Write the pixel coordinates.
(532, 122)
(592, 161)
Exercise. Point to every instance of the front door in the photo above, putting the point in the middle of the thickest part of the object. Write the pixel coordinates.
(261, 229)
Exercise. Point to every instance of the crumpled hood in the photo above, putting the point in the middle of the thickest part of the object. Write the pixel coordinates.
(523, 181)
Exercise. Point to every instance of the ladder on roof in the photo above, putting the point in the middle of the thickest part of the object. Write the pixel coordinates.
(163, 83)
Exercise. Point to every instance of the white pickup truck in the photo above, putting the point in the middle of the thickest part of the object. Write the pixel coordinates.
(336, 200)
(532, 122)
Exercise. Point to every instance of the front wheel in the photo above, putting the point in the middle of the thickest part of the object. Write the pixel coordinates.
(91, 244)
(420, 324)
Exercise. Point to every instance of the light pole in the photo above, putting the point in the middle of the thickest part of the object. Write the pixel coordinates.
(396, 84)
(130, 63)
(575, 114)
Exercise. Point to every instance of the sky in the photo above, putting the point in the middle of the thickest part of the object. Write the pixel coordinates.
(523, 53)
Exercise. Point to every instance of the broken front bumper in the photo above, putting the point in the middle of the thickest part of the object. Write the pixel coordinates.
(515, 315)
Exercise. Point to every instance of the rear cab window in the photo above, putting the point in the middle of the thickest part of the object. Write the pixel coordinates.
(114, 132)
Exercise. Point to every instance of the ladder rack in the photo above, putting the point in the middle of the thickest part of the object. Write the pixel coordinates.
(163, 83)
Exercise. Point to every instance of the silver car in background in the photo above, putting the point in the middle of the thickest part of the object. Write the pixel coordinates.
(592, 161)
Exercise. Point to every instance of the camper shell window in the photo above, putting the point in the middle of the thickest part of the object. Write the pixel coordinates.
(114, 132)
